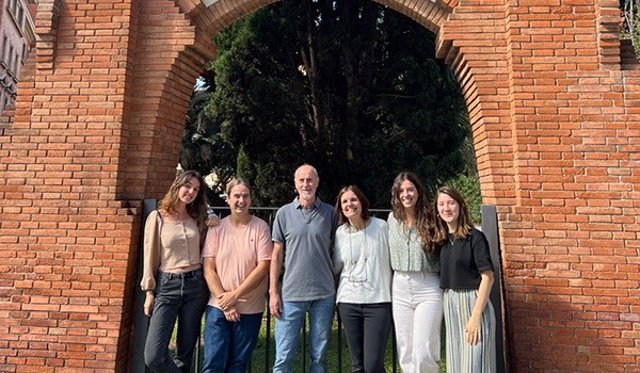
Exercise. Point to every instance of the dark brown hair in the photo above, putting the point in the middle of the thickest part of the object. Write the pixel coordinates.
(463, 221)
(424, 215)
(364, 203)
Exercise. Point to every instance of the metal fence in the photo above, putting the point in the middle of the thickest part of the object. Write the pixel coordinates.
(264, 365)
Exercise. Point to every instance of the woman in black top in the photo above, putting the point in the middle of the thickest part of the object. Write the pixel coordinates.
(466, 275)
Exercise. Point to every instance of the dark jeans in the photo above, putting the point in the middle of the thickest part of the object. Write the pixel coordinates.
(228, 345)
(182, 297)
(367, 327)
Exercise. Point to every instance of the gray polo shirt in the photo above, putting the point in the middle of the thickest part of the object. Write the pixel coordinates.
(307, 236)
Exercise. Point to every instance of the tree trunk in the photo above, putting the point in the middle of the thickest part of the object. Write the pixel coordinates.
(310, 60)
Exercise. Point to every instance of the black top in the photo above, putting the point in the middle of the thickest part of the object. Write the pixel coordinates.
(462, 262)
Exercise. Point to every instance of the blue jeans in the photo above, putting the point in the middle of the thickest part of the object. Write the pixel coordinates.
(178, 296)
(228, 345)
(288, 328)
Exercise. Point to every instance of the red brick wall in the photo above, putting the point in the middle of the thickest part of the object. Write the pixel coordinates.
(97, 127)
(66, 237)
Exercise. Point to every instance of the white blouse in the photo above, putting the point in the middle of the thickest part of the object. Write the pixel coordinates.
(361, 260)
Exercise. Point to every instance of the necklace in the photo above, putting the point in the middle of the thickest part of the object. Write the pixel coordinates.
(358, 273)
(179, 216)
(405, 230)
(452, 239)
(352, 231)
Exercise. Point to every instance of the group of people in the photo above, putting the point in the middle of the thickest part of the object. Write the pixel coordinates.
(423, 264)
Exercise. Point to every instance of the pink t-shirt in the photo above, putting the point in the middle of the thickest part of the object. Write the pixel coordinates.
(237, 252)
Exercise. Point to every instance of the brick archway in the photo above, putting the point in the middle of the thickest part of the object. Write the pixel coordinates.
(97, 128)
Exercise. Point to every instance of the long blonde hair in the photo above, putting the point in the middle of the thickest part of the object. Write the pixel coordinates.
(196, 209)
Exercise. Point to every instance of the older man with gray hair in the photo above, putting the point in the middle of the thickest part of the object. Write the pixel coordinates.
(303, 233)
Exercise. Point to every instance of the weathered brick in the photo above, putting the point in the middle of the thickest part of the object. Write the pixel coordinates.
(555, 123)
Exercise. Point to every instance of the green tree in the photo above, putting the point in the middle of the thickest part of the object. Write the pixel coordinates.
(203, 147)
(631, 23)
(348, 86)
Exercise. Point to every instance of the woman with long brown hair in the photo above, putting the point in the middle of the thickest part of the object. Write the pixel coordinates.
(416, 296)
(172, 274)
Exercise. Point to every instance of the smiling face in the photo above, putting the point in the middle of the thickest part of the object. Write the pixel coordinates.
(306, 180)
(239, 199)
(408, 194)
(350, 205)
(189, 191)
(448, 210)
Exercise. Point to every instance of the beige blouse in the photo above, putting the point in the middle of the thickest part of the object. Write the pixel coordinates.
(176, 247)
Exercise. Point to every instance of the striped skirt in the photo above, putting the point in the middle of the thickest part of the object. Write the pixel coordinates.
(461, 356)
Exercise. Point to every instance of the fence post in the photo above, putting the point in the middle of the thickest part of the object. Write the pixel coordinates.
(490, 230)
(140, 321)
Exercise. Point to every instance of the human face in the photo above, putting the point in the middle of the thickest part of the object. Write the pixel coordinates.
(306, 182)
(408, 194)
(189, 191)
(239, 199)
(350, 205)
(448, 210)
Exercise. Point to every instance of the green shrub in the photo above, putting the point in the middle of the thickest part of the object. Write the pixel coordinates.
(631, 23)
(469, 187)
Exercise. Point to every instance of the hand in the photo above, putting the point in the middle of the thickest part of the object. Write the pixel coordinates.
(472, 331)
(213, 220)
(232, 314)
(148, 303)
(227, 300)
(274, 304)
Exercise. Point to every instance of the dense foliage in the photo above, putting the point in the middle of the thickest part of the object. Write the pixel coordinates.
(348, 86)
(631, 22)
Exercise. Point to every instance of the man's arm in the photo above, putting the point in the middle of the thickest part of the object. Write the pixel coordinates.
(229, 299)
(216, 289)
(274, 275)
(211, 276)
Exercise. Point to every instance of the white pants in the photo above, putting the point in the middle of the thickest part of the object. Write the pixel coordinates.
(417, 315)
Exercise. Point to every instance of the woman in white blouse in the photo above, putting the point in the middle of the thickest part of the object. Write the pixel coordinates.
(361, 260)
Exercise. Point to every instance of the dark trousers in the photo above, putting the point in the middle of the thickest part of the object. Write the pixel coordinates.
(367, 327)
(182, 297)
